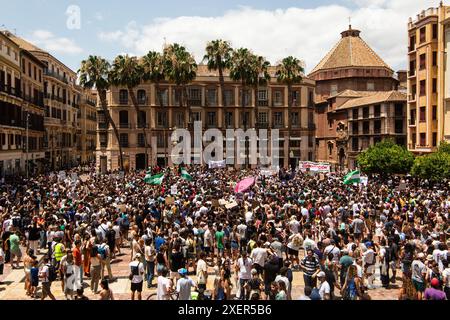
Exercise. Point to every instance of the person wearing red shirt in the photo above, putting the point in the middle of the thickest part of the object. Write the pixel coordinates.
(78, 262)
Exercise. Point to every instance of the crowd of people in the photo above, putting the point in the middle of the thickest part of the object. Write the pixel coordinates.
(198, 239)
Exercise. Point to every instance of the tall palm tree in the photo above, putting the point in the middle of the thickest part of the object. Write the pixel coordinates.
(218, 57)
(290, 72)
(94, 73)
(153, 71)
(126, 71)
(180, 68)
(260, 77)
(241, 70)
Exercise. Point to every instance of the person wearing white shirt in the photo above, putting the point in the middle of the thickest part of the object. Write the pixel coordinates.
(259, 257)
(137, 274)
(244, 269)
(164, 287)
(324, 286)
(369, 265)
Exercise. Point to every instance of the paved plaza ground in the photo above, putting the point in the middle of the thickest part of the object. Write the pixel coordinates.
(13, 284)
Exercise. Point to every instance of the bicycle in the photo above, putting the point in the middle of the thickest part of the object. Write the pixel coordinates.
(173, 296)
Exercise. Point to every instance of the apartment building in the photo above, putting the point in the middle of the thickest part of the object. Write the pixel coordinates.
(86, 126)
(429, 80)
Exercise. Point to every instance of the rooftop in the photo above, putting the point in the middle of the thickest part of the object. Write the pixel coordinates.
(350, 51)
(372, 97)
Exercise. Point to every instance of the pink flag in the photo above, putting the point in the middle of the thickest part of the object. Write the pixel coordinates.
(244, 185)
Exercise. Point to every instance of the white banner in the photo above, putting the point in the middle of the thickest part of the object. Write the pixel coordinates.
(217, 164)
(315, 166)
(174, 189)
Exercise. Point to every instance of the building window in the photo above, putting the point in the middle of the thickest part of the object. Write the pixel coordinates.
(245, 119)
(142, 119)
(377, 111)
(123, 96)
(434, 85)
(124, 140)
(423, 87)
(412, 43)
(422, 34)
(370, 86)
(422, 61)
(162, 97)
(434, 113)
(161, 119)
(377, 127)
(435, 31)
(423, 139)
(228, 119)
(434, 139)
(295, 121)
(196, 116)
(355, 144)
(263, 117)
(179, 120)
(434, 58)
(366, 126)
(123, 119)
(211, 120)
(278, 98)
(330, 123)
(296, 98)
(141, 140)
(422, 114)
(278, 119)
(366, 112)
(412, 67)
(355, 114)
(142, 97)
(398, 110)
(229, 98)
(355, 127)
(412, 116)
(211, 97)
(161, 140)
(330, 149)
(195, 97)
(247, 97)
(398, 126)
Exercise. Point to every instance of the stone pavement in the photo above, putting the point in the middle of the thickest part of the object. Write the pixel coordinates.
(13, 284)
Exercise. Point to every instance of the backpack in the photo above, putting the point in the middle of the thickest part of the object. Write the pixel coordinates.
(111, 235)
(102, 252)
(315, 295)
(52, 275)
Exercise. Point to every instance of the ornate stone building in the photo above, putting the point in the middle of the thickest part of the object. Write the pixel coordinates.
(356, 99)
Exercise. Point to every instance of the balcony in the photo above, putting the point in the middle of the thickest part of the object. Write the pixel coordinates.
(278, 104)
(56, 76)
(412, 122)
(412, 73)
(102, 125)
(263, 103)
(36, 100)
(195, 102)
(412, 97)
(262, 125)
(10, 90)
(125, 126)
(142, 126)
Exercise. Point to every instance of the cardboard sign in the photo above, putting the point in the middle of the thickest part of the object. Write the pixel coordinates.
(84, 177)
(321, 177)
(402, 186)
(74, 176)
(222, 202)
(170, 200)
(231, 205)
(173, 189)
(122, 208)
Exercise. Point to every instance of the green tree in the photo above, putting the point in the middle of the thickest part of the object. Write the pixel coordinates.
(386, 158)
(444, 147)
(180, 68)
(94, 73)
(218, 57)
(434, 167)
(127, 72)
(290, 72)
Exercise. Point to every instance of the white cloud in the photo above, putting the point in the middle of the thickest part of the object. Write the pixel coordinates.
(48, 41)
(305, 33)
(98, 16)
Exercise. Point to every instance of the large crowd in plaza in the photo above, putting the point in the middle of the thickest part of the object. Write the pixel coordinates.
(338, 237)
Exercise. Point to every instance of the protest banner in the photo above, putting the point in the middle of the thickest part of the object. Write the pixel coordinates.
(314, 166)
(217, 164)
(173, 189)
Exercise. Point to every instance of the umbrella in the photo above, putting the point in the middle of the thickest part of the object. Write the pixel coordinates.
(244, 185)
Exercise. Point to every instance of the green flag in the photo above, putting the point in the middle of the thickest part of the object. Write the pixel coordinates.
(156, 179)
(352, 177)
(185, 175)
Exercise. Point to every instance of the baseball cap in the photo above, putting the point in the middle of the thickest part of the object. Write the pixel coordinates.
(321, 274)
(182, 271)
(137, 256)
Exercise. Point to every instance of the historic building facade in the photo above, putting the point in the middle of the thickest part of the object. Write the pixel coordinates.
(86, 126)
(355, 89)
(162, 113)
(429, 80)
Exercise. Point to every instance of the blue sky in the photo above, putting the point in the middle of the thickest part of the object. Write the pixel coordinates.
(304, 28)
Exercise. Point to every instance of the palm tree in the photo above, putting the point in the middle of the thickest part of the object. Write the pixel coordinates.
(290, 72)
(94, 73)
(126, 71)
(218, 57)
(180, 68)
(241, 70)
(260, 77)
